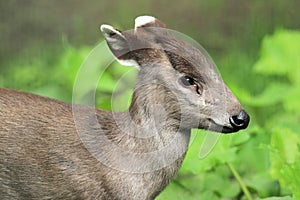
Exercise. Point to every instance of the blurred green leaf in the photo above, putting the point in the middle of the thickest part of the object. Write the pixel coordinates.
(219, 152)
(285, 158)
(291, 100)
(71, 60)
(240, 138)
(273, 94)
(175, 191)
(280, 55)
(106, 83)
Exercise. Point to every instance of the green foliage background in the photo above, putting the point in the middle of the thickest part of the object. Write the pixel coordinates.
(255, 44)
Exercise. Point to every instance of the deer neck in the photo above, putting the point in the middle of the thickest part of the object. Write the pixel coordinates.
(145, 138)
(153, 118)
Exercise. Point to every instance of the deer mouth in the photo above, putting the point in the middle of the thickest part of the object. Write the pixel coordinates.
(216, 127)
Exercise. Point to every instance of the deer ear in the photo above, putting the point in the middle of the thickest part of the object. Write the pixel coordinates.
(150, 27)
(147, 21)
(118, 44)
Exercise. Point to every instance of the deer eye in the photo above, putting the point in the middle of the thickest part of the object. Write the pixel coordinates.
(189, 82)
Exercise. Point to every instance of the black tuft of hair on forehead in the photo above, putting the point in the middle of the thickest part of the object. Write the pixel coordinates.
(181, 65)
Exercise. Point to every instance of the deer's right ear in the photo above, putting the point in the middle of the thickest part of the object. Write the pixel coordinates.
(118, 44)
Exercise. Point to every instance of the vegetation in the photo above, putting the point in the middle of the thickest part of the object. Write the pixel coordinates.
(262, 70)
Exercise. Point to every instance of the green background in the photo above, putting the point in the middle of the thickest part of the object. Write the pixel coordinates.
(255, 44)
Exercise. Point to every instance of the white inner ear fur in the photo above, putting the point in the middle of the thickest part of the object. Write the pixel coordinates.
(108, 30)
(142, 20)
(129, 63)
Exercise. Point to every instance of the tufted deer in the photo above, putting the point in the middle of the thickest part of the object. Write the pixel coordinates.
(55, 150)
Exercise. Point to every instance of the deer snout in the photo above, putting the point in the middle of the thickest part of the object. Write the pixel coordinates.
(239, 121)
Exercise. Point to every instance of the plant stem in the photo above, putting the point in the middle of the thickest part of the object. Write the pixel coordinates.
(239, 179)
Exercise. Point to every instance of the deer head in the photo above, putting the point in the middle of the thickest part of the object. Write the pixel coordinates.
(180, 73)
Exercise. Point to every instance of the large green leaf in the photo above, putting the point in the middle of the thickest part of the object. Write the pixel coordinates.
(280, 55)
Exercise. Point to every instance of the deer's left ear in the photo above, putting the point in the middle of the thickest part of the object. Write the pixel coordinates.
(119, 45)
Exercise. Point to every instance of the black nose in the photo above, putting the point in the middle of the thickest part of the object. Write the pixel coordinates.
(240, 121)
